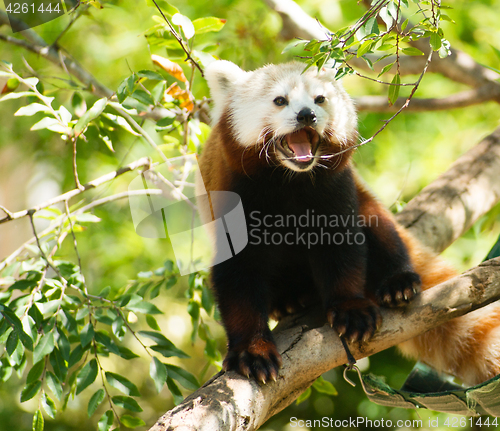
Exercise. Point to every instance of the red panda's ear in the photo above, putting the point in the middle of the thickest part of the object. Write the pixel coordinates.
(327, 73)
(222, 77)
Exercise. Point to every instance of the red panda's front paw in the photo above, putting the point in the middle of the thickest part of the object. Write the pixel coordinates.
(259, 360)
(356, 319)
(399, 289)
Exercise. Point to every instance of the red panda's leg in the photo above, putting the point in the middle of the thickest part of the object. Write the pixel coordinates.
(391, 277)
(242, 297)
(348, 311)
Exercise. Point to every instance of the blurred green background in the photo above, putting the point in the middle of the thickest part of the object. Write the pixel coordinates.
(110, 43)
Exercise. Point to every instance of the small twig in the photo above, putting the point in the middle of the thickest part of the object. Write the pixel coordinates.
(179, 40)
(75, 245)
(75, 170)
(386, 122)
(143, 162)
(10, 215)
(9, 259)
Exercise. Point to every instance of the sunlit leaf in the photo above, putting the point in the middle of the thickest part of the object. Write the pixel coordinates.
(122, 384)
(169, 66)
(95, 400)
(86, 376)
(158, 373)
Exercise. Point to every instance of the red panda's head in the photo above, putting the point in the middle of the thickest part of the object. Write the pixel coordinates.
(298, 119)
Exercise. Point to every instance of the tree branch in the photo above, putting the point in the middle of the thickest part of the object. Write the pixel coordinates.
(143, 162)
(54, 54)
(459, 66)
(488, 92)
(450, 205)
(232, 402)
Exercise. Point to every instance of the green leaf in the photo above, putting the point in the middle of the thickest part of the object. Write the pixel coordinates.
(49, 406)
(126, 353)
(143, 97)
(158, 91)
(37, 424)
(95, 400)
(158, 373)
(14, 321)
(44, 347)
(386, 68)
(32, 109)
(152, 323)
(127, 403)
(204, 25)
(78, 104)
(144, 307)
(86, 376)
(122, 384)
(36, 372)
(435, 41)
(132, 103)
(106, 421)
(87, 334)
(125, 88)
(394, 89)
(53, 384)
(104, 339)
(63, 344)
(175, 391)
(304, 396)
(131, 421)
(149, 74)
(364, 48)
(12, 342)
(412, 51)
(185, 378)
(165, 122)
(90, 115)
(324, 386)
(76, 355)
(370, 27)
(164, 345)
(59, 365)
(30, 391)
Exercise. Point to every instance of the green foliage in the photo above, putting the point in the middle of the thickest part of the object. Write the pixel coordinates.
(83, 307)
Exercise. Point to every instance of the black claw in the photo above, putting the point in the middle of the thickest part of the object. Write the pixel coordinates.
(399, 289)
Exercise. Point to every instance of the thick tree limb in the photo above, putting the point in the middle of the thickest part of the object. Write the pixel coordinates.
(448, 207)
(232, 402)
(297, 23)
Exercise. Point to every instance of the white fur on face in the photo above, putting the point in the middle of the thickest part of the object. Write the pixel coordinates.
(247, 98)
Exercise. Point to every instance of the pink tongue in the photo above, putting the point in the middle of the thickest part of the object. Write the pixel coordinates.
(300, 145)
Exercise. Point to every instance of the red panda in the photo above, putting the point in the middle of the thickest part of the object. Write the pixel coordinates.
(282, 139)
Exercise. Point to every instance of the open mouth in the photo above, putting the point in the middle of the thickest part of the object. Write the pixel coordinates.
(300, 146)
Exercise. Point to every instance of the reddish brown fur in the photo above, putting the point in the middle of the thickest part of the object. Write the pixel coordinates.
(459, 346)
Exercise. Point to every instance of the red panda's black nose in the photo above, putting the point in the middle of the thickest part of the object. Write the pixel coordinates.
(306, 116)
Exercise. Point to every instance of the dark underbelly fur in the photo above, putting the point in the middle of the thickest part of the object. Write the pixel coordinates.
(308, 242)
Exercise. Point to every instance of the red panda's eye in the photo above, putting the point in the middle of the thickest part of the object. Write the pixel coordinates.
(280, 101)
(319, 99)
